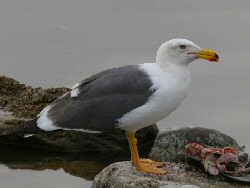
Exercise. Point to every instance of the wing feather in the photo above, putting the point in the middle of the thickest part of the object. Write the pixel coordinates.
(102, 99)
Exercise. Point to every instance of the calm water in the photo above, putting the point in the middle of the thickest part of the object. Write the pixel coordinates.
(54, 43)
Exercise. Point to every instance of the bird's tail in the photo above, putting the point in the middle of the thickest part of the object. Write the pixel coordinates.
(27, 128)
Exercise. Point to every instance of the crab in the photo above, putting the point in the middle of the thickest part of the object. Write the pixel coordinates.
(219, 160)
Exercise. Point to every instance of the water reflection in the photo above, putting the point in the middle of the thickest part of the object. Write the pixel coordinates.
(74, 163)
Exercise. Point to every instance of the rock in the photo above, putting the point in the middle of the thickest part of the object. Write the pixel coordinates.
(170, 145)
(7, 119)
(177, 185)
(189, 186)
(25, 102)
(124, 175)
(86, 142)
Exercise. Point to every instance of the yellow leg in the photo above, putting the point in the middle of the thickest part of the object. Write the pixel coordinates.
(143, 165)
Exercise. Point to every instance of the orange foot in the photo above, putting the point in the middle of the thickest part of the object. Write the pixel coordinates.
(146, 167)
(151, 162)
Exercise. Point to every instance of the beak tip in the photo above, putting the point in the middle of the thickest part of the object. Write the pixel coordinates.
(217, 59)
(216, 56)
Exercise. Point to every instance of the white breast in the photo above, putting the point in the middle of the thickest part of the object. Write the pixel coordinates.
(171, 87)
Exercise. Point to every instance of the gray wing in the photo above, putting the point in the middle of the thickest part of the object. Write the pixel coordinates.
(102, 99)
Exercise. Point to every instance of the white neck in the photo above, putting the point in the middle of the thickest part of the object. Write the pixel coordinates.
(176, 70)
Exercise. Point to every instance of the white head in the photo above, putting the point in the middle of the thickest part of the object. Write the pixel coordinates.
(182, 52)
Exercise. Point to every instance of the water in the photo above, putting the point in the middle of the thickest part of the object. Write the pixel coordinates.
(57, 43)
(38, 167)
(41, 179)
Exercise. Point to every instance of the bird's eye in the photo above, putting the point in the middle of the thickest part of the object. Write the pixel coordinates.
(182, 47)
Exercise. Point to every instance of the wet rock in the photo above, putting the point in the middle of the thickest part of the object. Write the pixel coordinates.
(170, 145)
(123, 174)
(7, 119)
(72, 141)
(25, 101)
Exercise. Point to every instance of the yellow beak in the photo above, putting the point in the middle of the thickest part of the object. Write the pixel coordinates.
(207, 54)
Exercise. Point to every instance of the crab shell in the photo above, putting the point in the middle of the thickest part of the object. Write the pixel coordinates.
(218, 160)
(224, 160)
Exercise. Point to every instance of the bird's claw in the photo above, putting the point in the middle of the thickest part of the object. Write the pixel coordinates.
(146, 167)
(151, 162)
